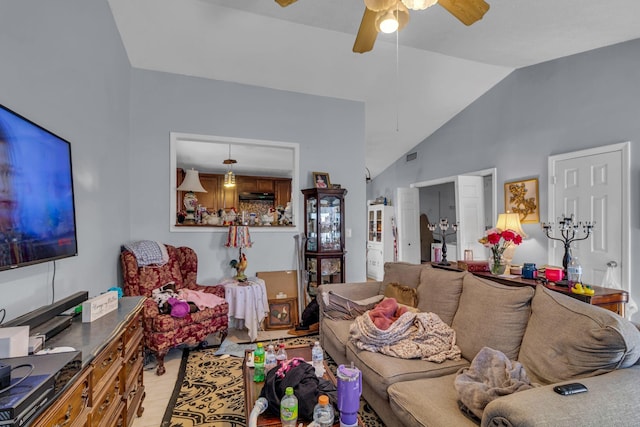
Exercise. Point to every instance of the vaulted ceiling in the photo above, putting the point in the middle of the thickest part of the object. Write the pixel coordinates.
(411, 84)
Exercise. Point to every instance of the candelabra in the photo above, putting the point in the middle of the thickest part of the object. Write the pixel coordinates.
(443, 225)
(569, 232)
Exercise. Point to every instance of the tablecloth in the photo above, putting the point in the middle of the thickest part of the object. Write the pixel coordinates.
(248, 304)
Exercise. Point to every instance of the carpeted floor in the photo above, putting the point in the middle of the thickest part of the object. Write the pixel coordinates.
(208, 390)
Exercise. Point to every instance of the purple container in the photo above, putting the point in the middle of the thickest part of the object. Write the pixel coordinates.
(349, 391)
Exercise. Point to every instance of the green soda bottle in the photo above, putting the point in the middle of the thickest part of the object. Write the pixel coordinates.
(258, 363)
(289, 408)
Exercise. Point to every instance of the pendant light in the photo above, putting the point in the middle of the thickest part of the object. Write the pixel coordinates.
(229, 177)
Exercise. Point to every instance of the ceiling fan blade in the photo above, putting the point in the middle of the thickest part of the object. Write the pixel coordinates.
(467, 11)
(285, 3)
(367, 32)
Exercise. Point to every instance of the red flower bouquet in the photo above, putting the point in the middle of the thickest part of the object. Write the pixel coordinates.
(498, 240)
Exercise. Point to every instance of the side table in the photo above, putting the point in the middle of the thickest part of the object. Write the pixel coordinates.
(248, 304)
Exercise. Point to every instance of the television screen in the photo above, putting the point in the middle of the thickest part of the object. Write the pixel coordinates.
(37, 211)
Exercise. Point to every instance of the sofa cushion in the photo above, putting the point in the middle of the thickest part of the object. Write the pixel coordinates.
(380, 371)
(402, 294)
(427, 402)
(567, 339)
(335, 334)
(491, 315)
(403, 273)
(439, 292)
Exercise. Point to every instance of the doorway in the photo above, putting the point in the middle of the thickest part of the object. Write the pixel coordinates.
(469, 200)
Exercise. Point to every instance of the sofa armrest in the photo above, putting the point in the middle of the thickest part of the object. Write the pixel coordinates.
(612, 399)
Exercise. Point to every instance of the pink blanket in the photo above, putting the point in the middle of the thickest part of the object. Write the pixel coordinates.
(386, 312)
(199, 298)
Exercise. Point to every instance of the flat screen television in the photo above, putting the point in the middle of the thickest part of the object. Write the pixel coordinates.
(37, 209)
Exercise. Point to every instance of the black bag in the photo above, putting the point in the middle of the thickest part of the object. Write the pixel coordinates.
(311, 313)
(306, 386)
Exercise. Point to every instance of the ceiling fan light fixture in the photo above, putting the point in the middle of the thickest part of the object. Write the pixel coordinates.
(419, 4)
(387, 22)
(379, 5)
(395, 18)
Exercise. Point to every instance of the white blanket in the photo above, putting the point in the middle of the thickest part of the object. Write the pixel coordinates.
(412, 336)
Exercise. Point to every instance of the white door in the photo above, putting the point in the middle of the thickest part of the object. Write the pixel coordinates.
(408, 223)
(593, 186)
(470, 214)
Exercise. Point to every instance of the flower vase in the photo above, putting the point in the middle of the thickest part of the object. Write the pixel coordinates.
(496, 265)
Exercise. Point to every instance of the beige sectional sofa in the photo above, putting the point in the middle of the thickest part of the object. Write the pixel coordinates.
(556, 338)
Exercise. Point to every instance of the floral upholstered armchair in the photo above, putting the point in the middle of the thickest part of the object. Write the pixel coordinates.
(163, 331)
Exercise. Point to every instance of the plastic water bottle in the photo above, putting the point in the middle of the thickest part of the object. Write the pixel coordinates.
(289, 408)
(574, 271)
(323, 412)
(258, 363)
(281, 354)
(317, 359)
(270, 361)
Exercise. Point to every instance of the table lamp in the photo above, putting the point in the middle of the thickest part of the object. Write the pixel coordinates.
(238, 237)
(191, 184)
(510, 221)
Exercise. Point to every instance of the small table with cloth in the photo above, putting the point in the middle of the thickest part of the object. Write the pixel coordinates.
(248, 304)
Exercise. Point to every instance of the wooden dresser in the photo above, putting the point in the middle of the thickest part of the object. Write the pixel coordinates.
(108, 391)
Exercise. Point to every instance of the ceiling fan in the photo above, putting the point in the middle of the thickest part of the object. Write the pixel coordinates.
(391, 15)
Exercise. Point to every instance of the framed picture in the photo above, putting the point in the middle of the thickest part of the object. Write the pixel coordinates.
(521, 197)
(321, 180)
(283, 313)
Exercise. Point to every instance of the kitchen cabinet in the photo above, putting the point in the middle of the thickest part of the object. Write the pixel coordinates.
(324, 230)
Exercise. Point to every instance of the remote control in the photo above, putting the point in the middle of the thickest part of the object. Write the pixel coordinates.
(567, 389)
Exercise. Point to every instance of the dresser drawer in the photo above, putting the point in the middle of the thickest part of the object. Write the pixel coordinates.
(70, 409)
(107, 404)
(133, 329)
(106, 367)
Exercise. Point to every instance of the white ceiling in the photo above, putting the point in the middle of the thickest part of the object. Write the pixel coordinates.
(441, 65)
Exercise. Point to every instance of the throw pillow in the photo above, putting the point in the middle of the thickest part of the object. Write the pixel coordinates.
(337, 307)
(491, 315)
(568, 339)
(439, 292)
(402, 272)
(402, 294)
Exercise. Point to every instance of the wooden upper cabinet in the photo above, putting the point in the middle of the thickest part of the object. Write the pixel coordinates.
(282, 191)
(218, 197)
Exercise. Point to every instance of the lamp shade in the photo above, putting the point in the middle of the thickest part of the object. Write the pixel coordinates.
(238, 237)
(191, 182)
(394, 18)
(510, 221)
(378, 5)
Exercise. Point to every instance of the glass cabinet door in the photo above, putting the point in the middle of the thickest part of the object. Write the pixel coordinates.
(372, 226)
(324, 226)
(312, 221)
(322, 270)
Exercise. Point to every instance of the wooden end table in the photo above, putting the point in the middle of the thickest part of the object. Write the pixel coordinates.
(252, 389)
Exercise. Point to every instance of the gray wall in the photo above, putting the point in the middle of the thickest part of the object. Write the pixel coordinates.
(584, 101)
(331, 137)
(64, 67)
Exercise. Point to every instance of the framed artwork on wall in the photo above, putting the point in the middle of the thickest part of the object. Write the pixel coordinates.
(521, 197)
(283, 312)
(321, 180)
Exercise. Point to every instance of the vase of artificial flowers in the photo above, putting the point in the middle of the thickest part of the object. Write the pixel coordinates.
(497, 241)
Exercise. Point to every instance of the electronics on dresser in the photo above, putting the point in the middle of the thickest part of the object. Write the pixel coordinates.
(37, 386)
(14, 341)
(46, 321)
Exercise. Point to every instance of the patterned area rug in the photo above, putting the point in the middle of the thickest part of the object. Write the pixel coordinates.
(208, 391)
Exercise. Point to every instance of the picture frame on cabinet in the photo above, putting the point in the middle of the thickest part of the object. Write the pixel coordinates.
(521, 197)
(321, 180)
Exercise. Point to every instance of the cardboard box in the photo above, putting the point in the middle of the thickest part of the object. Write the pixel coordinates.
(280, 284)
